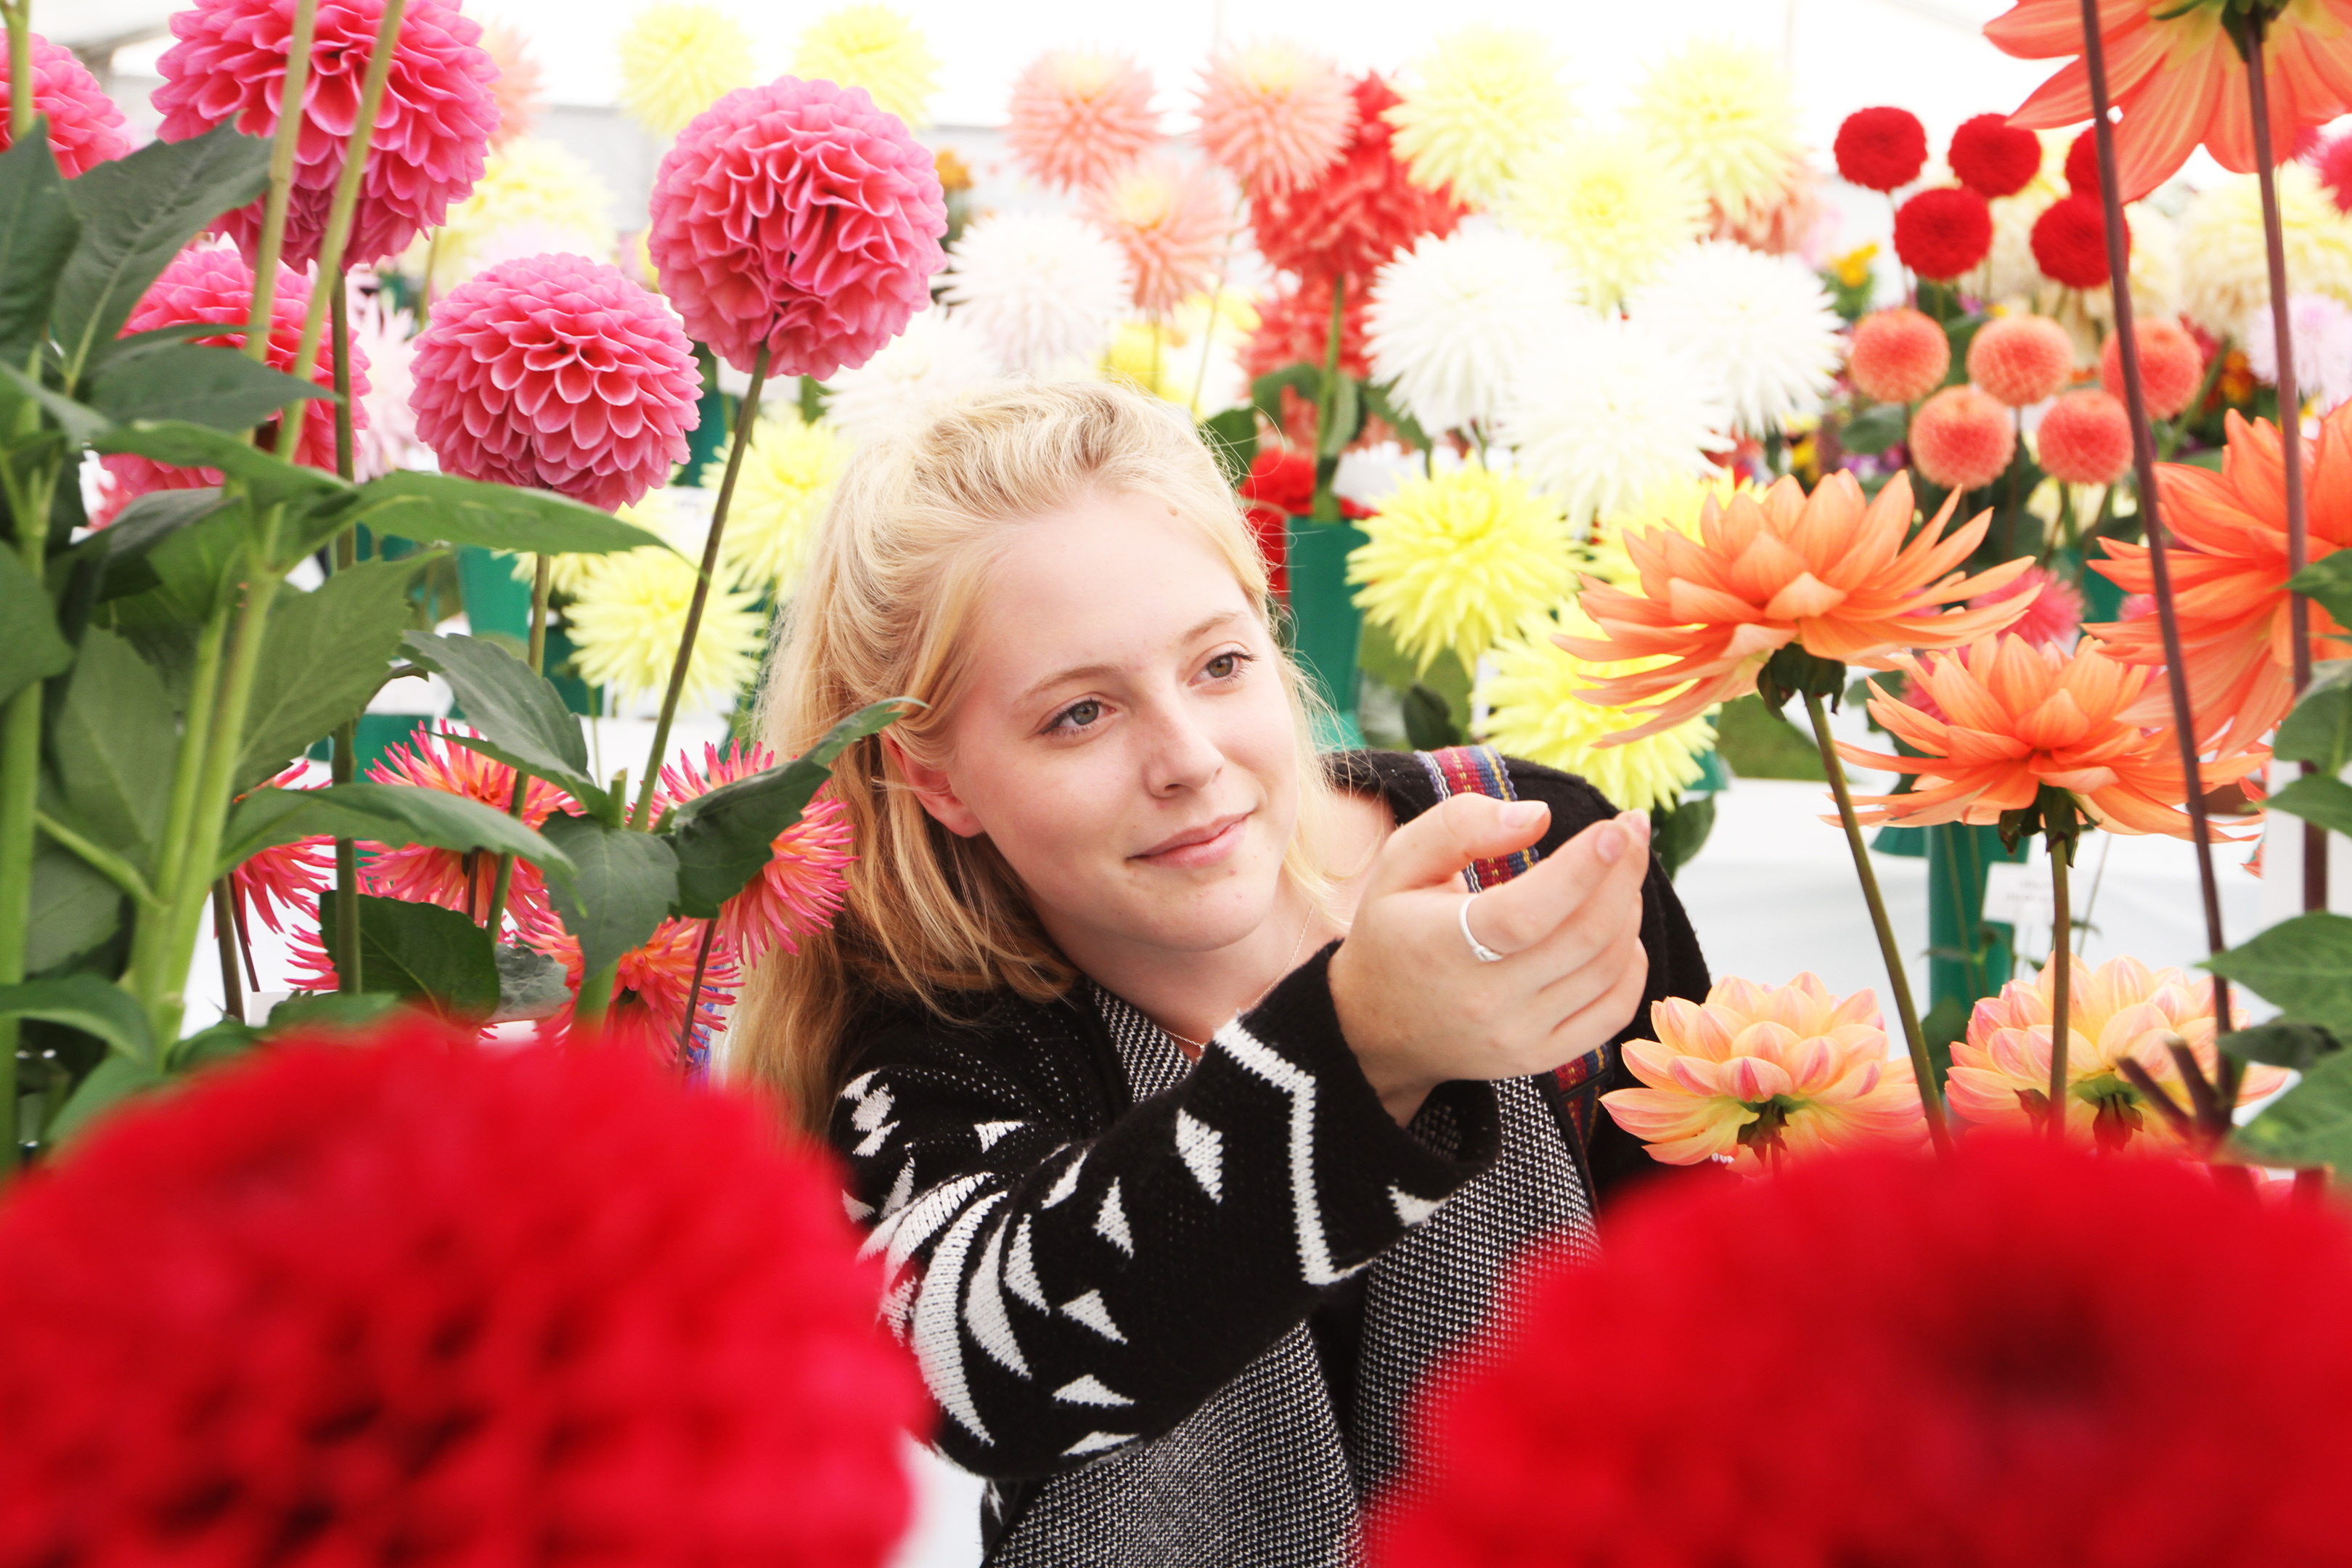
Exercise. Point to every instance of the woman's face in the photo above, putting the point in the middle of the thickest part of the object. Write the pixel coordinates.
(1125, 743)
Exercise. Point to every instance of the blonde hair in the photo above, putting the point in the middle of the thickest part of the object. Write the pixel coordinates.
(895, 573)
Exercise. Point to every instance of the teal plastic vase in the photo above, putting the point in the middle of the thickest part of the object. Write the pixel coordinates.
(1326, 624)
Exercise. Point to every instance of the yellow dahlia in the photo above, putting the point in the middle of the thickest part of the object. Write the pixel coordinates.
(533, 197)
(1535, 712)
(1478, 107)
(628, 613)
(1616, 205)
(781, 494)
(1191, 349)
(1726, 112)
(677, 59)
(1457, 558)
(875, 47)
(2224, 275)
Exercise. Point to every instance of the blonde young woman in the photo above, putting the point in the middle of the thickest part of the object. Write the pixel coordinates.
(1197, 1107)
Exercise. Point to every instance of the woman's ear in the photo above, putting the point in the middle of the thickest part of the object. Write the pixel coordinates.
(932, 789)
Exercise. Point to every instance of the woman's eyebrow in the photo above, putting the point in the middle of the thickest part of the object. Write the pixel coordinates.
(1089, 671)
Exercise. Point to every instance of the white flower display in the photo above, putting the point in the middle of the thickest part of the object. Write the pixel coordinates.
(1763, 324)
(1045, 290)
(2225, 273)
(938, 357)
(1607, 408)
(1452, 320)
(2323, 348)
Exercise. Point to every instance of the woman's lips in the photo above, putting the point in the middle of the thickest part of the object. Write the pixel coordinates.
(1192, 848)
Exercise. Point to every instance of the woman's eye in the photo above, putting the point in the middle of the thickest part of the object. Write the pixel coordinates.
(1078, 715)
(1225, 666)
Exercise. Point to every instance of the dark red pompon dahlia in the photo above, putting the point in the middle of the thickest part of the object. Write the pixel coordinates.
(2019, 1357)
(1943, 233)
(2082, 164)
(409, 1302)
(1994, 158)
(2070, 241)
(1881, 149)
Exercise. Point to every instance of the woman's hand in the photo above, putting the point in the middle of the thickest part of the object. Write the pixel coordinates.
(1419, 1009)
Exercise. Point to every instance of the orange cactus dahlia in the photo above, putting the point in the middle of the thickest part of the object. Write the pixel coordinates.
(1830, 572)
(2017, 717)
(1757, 1074)
(2228, 579)
(2179, 78)
(2122, 1010)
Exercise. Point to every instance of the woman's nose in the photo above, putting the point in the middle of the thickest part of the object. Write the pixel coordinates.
(1182, 757)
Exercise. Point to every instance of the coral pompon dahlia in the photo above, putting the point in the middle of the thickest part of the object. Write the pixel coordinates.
(799, 215)
(1273, 114)
(1900, 355)
(432, 130)
(84, 126)
(798, 890)
(1758, 1075)
(2123, 1010)
(2020, 360)
(1454, 560)
(1169, 218)
(1828, 570)
(1963, 438)
(1076, 118)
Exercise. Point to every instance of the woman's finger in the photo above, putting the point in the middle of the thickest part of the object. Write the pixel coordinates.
(1528, 907)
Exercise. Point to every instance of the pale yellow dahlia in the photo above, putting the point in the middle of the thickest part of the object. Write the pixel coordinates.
(781, 493)
(533, 197)
(2225, 278)
(1457, 560)
(629, 612)
(1478, 107)
(680, 59)
(1617, 207)
(1726, 112)
(1534, 712)
(875, 47)
(1192, 349)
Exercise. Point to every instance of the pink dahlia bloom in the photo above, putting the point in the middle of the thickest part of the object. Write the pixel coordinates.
(652, 986)
(798, 215)
(437, 119)
(2054, 615)
(1078, 118)
(1170, 218)
(85, 127)
(800, 888)
(1274, 115)
(287, 876)
(217, 285)
(422, 874)
(556, 373)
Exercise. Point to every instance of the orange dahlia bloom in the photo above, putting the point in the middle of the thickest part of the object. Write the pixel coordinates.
(1757, 1073)
(1828, 570)
(2229, 578)
(2121, 1011)
(2014, 717)
(2180, 80)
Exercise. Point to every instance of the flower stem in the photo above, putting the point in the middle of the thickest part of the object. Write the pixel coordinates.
(541, 565)
(2061, 964)
(1324, 508)
(345, 755)
(21, 111)
(293, 87)
(1924, 1070)
(147, 975)
(20, 782)
(595, 998)
(224, 938)
(2168, 612)
(694, 992)
(744, 415)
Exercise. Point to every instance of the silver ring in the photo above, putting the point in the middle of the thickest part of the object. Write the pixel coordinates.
(1478, 950)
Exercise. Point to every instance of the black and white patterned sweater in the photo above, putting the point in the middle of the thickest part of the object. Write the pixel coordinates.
(1177, 1313)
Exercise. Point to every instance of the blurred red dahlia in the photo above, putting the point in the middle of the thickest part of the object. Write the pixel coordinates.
(85, 127)
(1994, 158)
(2020, 360)
(434, 1305)
(2070, 242)
(2083, 164)
(1359, 212)
(800, 888)
(2332, 161)
(798, 215)
(2171, 366)
(1962, 439)
(1942, 233)
(1900, 355)
(2085, 437)
(1280, 486)
(556, 373)
(1293, 323)
(1940, 1371)
(1881, 149)
(430, 131)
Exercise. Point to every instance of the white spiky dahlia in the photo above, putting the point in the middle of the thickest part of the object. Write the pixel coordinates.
(1477, 108)
(1608, 409)
(1728, 112)
(1044, 290)
(2225, 276)
(1452, 321)
(1764, 324)
(934, 359)
(1616, 206)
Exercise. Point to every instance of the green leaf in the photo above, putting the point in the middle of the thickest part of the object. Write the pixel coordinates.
(194, 565)
(625, 883)
(225, 1041)
(332, 1010)
(1346, 419)
(136, 214)
(216, 387)
(324, 654)
(113, 746)
(2282, 1043)
(725, 837)
(1678, 832)
(519, 713)
(112, 1081)
(1233, 436)
(2321, 798)
(1428, 720)
(74, 909)
(2303, 965)
(2310, 1124)
(38, 229)
(1875, 429)
(32, 650)
(1381, 398)
(155, 517)
(1265, 392)
(81, 423)
(84, 1002)
(530, 986)
(269, 479)
(431, 508)
(422, 952)
(380, 813)
(2327, 580)
(2319, 730)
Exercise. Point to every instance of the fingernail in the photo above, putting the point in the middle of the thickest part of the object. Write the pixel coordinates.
(1637, 823)
(1524, 814)
(1609, 844)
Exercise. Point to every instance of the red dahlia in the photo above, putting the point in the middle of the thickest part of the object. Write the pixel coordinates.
(1295, 325)
(1280, 486)
(1874, 1359)
(1359, 212)
(1994, 158)
(2070, 242)
(2333, 163)
(1942, 233)
(1881, 149)
(2083, 164)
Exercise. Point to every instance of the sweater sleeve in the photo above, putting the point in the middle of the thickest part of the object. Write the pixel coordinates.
(1070, 1290)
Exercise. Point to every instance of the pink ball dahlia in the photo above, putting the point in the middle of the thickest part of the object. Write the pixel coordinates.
(1962, 439)
(2086, 438)
(2021, 359)
(436, 121)
(1274, 115)
(556, 373)
(800, 888)
(1078, 118)
(1900, 355)
(2171, 366)
(1170, 218)
(2051, 619)
(799, 214)
(85, 127)
(217, 285)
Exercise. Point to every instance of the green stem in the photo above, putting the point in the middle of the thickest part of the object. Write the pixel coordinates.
(344, 758)
(224, 938)
(1897, 980)
(20, 755)
(148, 972)
(1324, 507)
(21, 112)
(595, 998)
(2176, 430)
(284, 142)
(2061, 965)
(748, 411)
(541, 565)
(100, 859)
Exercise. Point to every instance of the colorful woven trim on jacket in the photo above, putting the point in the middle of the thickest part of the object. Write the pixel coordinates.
(1479, 770)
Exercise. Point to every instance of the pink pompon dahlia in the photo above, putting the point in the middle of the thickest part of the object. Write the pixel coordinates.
(1363, 208)
(85, 127)
(649, 1005)
(800, 216)
(520, 92)
(1170, 218)
(556, 373)
(2020, 360)
(1274, 115)
(286, 875)
(1078, 118)
(421, 874)
(800, 888)
(2053, 611)
(217, 285)
(432, 129)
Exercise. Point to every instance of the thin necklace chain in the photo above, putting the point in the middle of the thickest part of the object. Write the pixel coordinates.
(1300, 941)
